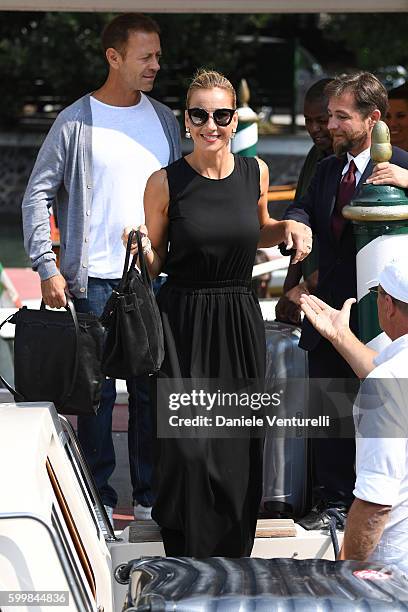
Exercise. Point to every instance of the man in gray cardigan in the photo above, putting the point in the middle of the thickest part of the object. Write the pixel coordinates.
(92, 169)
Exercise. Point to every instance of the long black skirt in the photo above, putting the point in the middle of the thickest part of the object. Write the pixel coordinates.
(208, 490)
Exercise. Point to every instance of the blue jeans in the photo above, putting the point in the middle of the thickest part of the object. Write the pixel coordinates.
(95, 432)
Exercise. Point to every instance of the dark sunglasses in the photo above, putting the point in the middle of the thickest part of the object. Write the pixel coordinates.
(221, 116)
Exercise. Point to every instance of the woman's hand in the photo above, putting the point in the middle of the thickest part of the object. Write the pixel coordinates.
(145, 240)
(389, 174)
(298, 236)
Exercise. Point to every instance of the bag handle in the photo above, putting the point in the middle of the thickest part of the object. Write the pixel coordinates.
(71, 309)
(126, 264)
(7, 320)
(69, 306)
(142, 261)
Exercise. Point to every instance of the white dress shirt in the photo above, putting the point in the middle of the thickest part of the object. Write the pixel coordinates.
(361, 160)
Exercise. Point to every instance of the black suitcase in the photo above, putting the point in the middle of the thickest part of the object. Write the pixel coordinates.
(285, 465)
(262, 585)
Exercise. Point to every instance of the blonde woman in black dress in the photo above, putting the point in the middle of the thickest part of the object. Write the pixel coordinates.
(206, 214)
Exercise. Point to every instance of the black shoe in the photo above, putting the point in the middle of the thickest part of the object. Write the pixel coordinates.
(320, 516)
(277, 510)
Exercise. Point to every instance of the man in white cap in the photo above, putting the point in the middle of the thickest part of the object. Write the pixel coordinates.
(377, 523)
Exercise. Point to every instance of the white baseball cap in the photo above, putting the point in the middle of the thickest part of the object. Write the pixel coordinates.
(394, 279)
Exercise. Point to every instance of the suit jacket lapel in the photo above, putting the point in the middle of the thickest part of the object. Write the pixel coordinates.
(334, 184)
(368, 170)
(337, 176)
(332, 192)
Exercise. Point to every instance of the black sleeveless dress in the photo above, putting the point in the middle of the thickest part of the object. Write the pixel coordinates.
(209, 490)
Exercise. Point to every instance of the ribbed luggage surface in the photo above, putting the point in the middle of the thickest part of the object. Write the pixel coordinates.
(285, 458)
(262, 585)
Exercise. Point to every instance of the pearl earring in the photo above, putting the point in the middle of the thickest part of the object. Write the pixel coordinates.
(188, 134)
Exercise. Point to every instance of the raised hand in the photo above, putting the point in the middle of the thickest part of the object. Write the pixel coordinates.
(328, 321)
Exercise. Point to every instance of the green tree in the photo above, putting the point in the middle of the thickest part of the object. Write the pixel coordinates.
(54, 54)
(195, 41)
(377, 39)
(59, 54)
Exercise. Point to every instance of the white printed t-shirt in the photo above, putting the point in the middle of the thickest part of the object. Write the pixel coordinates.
(128, 145)
(381, 409)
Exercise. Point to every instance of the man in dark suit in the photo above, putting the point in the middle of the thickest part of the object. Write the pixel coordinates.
(316, 119)
(356, 102)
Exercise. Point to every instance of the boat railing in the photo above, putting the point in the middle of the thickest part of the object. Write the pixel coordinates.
(89, 481)
(81, 601)
(270, 266)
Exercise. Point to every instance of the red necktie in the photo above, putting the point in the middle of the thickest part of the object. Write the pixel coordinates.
(346, 191)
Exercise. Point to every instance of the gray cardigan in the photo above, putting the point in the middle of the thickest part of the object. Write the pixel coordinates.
(62, 178)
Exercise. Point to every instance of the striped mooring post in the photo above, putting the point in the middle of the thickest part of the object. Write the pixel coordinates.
(246, 138)
(380, 218)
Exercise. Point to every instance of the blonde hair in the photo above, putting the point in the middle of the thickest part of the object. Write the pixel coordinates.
(208, 79)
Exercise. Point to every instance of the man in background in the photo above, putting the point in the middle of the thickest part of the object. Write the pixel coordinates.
(93, 168)
(316, 120)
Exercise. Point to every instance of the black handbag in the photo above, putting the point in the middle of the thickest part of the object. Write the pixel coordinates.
(134, 344)
(57, 358)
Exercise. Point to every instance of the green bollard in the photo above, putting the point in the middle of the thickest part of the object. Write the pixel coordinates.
(246, 138)
(380, 219)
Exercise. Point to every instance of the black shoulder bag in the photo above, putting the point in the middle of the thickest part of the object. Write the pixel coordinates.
(134, 343)
(57, 358)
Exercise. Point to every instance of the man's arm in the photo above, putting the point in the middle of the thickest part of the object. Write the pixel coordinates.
(302, 209)
(286, 310)
(44, 183)
(288, 307)
(334, 325)
(312, 281)
(364, 528)
(380, 465)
